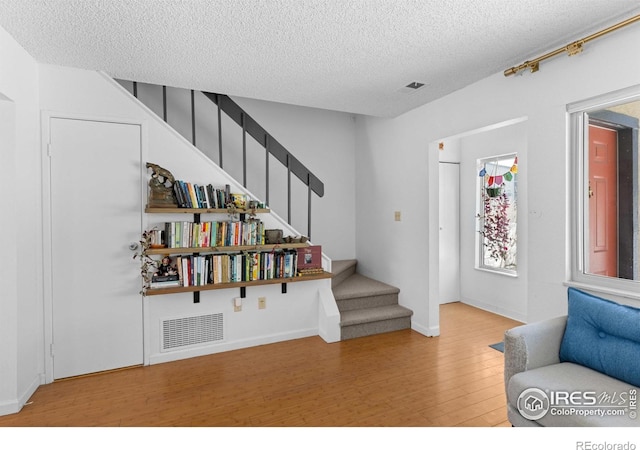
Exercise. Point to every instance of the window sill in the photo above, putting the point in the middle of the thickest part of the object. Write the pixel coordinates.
(503, 272)
(603, 290)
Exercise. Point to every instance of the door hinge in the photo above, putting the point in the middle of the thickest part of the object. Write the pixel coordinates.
(51, 350)
(49, 150)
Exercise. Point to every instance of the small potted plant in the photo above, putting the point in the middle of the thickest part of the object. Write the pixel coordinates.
(494, 190)
(148, 265)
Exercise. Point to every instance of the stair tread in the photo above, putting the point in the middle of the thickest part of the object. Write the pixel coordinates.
(358, 316)
(358, 285)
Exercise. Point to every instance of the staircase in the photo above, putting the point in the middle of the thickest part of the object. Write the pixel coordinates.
(245, 127)
(366, 306)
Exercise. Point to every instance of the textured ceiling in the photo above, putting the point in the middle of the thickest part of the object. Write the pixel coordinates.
(344, 55)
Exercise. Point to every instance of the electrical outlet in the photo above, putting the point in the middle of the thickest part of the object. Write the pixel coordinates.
(237, 304)
(262, 302)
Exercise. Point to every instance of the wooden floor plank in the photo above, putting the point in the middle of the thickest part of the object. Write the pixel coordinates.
(394, 379)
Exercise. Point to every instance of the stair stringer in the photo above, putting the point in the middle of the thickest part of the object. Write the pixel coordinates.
(328, 315)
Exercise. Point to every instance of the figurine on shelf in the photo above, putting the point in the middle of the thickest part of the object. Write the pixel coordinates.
(161, 193)
(165, 268)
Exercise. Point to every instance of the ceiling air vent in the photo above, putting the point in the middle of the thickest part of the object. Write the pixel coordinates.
(187, 331)
(415, 85)
(411, 87)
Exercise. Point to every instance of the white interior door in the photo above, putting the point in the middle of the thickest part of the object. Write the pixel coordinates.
(449, 232)
(96, 306)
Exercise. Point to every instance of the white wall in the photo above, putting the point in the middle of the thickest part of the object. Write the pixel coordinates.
(395, 159)
(21, 331)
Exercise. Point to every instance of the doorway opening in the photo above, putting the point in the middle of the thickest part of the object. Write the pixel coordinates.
(489, 290)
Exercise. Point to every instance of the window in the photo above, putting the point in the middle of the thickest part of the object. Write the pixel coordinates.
(605, 215)
(497, 214)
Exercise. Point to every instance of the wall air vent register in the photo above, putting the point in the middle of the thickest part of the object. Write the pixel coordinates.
(188, 331)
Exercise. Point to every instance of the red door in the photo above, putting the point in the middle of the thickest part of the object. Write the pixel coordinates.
(603, 201)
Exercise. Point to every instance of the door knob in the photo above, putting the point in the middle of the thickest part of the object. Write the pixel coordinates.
(133, 246)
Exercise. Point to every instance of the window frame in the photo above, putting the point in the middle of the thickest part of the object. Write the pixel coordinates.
(577, 119)
(479, 259)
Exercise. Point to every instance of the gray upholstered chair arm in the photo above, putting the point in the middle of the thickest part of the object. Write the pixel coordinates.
(532, 345)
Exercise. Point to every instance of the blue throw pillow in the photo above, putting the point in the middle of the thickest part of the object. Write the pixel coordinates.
(602, 335)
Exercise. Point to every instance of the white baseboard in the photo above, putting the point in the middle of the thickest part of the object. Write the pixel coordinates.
(13, 407)
(427, 331)
(159, 358)
(494, 309)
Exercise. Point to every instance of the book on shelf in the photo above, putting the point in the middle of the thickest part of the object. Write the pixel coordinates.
(211, 196)
(192, 195)
(306, 272)
(227, 194)
(205, 195)
(184, 194)
(177, 189)
(164, 278)
(310, 260)
(164, 284)
(179, 267)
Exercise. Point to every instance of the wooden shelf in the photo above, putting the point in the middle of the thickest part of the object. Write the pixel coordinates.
(203, 211)
(237, 284)
(242, 285)
(225, 249)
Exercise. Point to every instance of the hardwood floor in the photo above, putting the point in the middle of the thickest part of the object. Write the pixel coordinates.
(396, 379)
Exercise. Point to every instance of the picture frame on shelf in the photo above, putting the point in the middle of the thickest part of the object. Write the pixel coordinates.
(239, 201)
(310, 260)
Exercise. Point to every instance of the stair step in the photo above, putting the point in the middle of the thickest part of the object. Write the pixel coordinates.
(369, 321)
(366, 306)
(341, 270)
(366, 315)
(358, 285)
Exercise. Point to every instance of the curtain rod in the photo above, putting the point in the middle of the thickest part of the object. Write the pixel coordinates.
(571, 49)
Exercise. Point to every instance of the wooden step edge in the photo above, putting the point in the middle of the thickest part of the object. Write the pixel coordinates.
(365, 294)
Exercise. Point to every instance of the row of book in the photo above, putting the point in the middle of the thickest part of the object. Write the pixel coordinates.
(192, 195)
(201, 270)
(212, 234)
